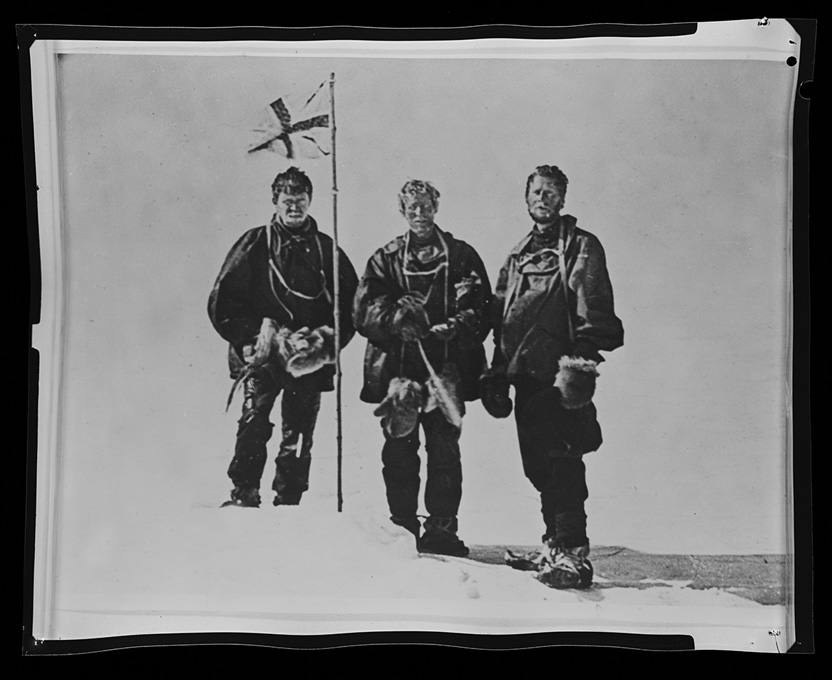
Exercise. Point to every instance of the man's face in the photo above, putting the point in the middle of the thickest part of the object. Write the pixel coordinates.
(291, 209)
(544, 200)
(419, 212)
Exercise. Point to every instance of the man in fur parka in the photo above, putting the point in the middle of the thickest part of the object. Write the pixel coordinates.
(553, 313)
(273, 302)
(424, 306)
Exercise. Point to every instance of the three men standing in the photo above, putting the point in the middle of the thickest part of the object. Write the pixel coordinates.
(425, 306)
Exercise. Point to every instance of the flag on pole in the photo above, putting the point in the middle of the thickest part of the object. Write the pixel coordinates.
(296, 126)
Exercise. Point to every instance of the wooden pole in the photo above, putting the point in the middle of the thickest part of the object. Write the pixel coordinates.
(337, 290)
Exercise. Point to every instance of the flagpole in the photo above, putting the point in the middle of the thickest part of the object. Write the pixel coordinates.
(337, 290)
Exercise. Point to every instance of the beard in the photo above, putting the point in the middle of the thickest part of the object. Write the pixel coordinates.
(551, 218)
(548, 216)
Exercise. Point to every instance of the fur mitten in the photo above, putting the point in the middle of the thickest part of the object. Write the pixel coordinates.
(494, 393)
(263, 347)
(576, 381)
(305, 351)
(444, 394)
(399, 412)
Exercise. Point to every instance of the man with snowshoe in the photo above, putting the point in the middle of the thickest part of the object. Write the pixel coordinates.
(273, 302)
(423, 304)
(553, 314)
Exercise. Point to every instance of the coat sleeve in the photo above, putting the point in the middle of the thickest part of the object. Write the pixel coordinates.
(596, 325)
(375, 302)
(229, 305)
(348, 284)
(473, 301)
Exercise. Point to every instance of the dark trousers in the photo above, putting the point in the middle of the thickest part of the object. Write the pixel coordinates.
(401, 467)
(299, 413)
(558, 474)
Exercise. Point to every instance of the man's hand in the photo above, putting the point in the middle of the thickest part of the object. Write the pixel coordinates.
(494, 392)
(410, 321)
(410, 330)
(444, 331)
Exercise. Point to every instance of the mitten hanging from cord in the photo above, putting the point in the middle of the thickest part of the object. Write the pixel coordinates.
(399, 412)
(576, 381)
(443, 392)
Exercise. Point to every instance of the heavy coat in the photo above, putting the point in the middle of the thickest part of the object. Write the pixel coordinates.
(537, 319)
(247, 290)
(468, 298)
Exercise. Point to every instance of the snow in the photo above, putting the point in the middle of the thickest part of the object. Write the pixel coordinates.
(313, 570)
(312, 549)
(151, 551)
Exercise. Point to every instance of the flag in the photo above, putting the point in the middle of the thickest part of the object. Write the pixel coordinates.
(296, 126)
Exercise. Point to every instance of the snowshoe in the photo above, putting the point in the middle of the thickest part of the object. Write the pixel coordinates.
(532, 560)
(567, 568)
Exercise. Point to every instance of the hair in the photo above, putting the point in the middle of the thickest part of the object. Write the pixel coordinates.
(415, 187)
(551, 172)
(292, 181)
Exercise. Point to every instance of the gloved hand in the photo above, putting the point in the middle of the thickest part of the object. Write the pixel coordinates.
(411, 331)
(410, 320)
(494, 393)
(444, 331)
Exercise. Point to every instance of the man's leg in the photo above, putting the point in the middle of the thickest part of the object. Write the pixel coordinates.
(561, 481)
(563, 503)
(299, 415)
(568, 566)
(400, 469)
(443, 489)
(253, 431)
